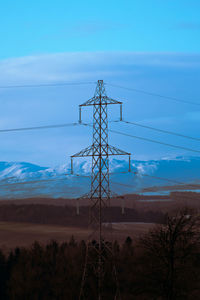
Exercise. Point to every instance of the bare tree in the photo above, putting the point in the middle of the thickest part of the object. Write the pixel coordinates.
(171, 250)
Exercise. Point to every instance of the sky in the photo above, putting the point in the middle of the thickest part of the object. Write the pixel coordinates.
(150, 45)
(43, 27)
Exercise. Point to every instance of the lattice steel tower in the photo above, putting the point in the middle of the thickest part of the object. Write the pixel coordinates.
(100, 192)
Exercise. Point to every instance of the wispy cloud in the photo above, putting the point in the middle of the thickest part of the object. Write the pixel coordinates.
(85, 65)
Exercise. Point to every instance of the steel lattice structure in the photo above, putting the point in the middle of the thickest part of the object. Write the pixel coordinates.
(100, 192)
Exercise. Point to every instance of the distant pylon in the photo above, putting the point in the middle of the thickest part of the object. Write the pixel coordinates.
(100, 192)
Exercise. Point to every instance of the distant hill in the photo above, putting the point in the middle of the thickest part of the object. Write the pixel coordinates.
(22, 179)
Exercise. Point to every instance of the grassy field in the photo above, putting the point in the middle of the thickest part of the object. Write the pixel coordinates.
(24, 234)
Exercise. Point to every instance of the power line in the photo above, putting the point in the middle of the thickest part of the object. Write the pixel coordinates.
(155, 177)
(45, 85)
(84, 176)
(159, 178)
(85, 124)
(88, 176)
(148, 140)
(162, 178)
(161, 130)
(30, 182)
(38, 127)
(192, 186)
(154, 141)
(122, 184)
(154, 94)
(91, 82)
(173, 181)
(37, 181)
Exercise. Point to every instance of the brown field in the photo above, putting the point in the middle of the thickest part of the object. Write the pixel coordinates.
(24, 234)
(25, 220)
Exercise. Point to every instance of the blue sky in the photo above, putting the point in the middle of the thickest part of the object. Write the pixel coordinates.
(175, 75)
(41, 27)
(149, 45)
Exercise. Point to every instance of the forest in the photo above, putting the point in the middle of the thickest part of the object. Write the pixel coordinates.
(163, 264)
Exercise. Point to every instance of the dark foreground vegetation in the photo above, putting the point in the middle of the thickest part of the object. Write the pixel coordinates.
(164, 264)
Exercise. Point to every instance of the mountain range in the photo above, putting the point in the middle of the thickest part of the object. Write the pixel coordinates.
(26, 180)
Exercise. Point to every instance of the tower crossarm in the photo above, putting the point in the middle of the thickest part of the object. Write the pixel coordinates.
(85, 152)
(115, 151)
(92, 151)
(104, 101)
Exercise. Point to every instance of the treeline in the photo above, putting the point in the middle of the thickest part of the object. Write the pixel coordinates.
(164, 264)
(59, 215)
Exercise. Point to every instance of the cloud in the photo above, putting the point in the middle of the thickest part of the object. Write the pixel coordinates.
(87, 65)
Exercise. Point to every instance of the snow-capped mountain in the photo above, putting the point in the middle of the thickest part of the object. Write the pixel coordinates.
(21, 179)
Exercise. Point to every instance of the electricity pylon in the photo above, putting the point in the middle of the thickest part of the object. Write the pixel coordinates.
(100, 192)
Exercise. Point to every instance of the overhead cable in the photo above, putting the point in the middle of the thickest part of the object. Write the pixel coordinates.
(148, 140)
(38, 127)
(154, 141)
(154, 94)
(111, 130)
(161, 130)
(44, 85)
